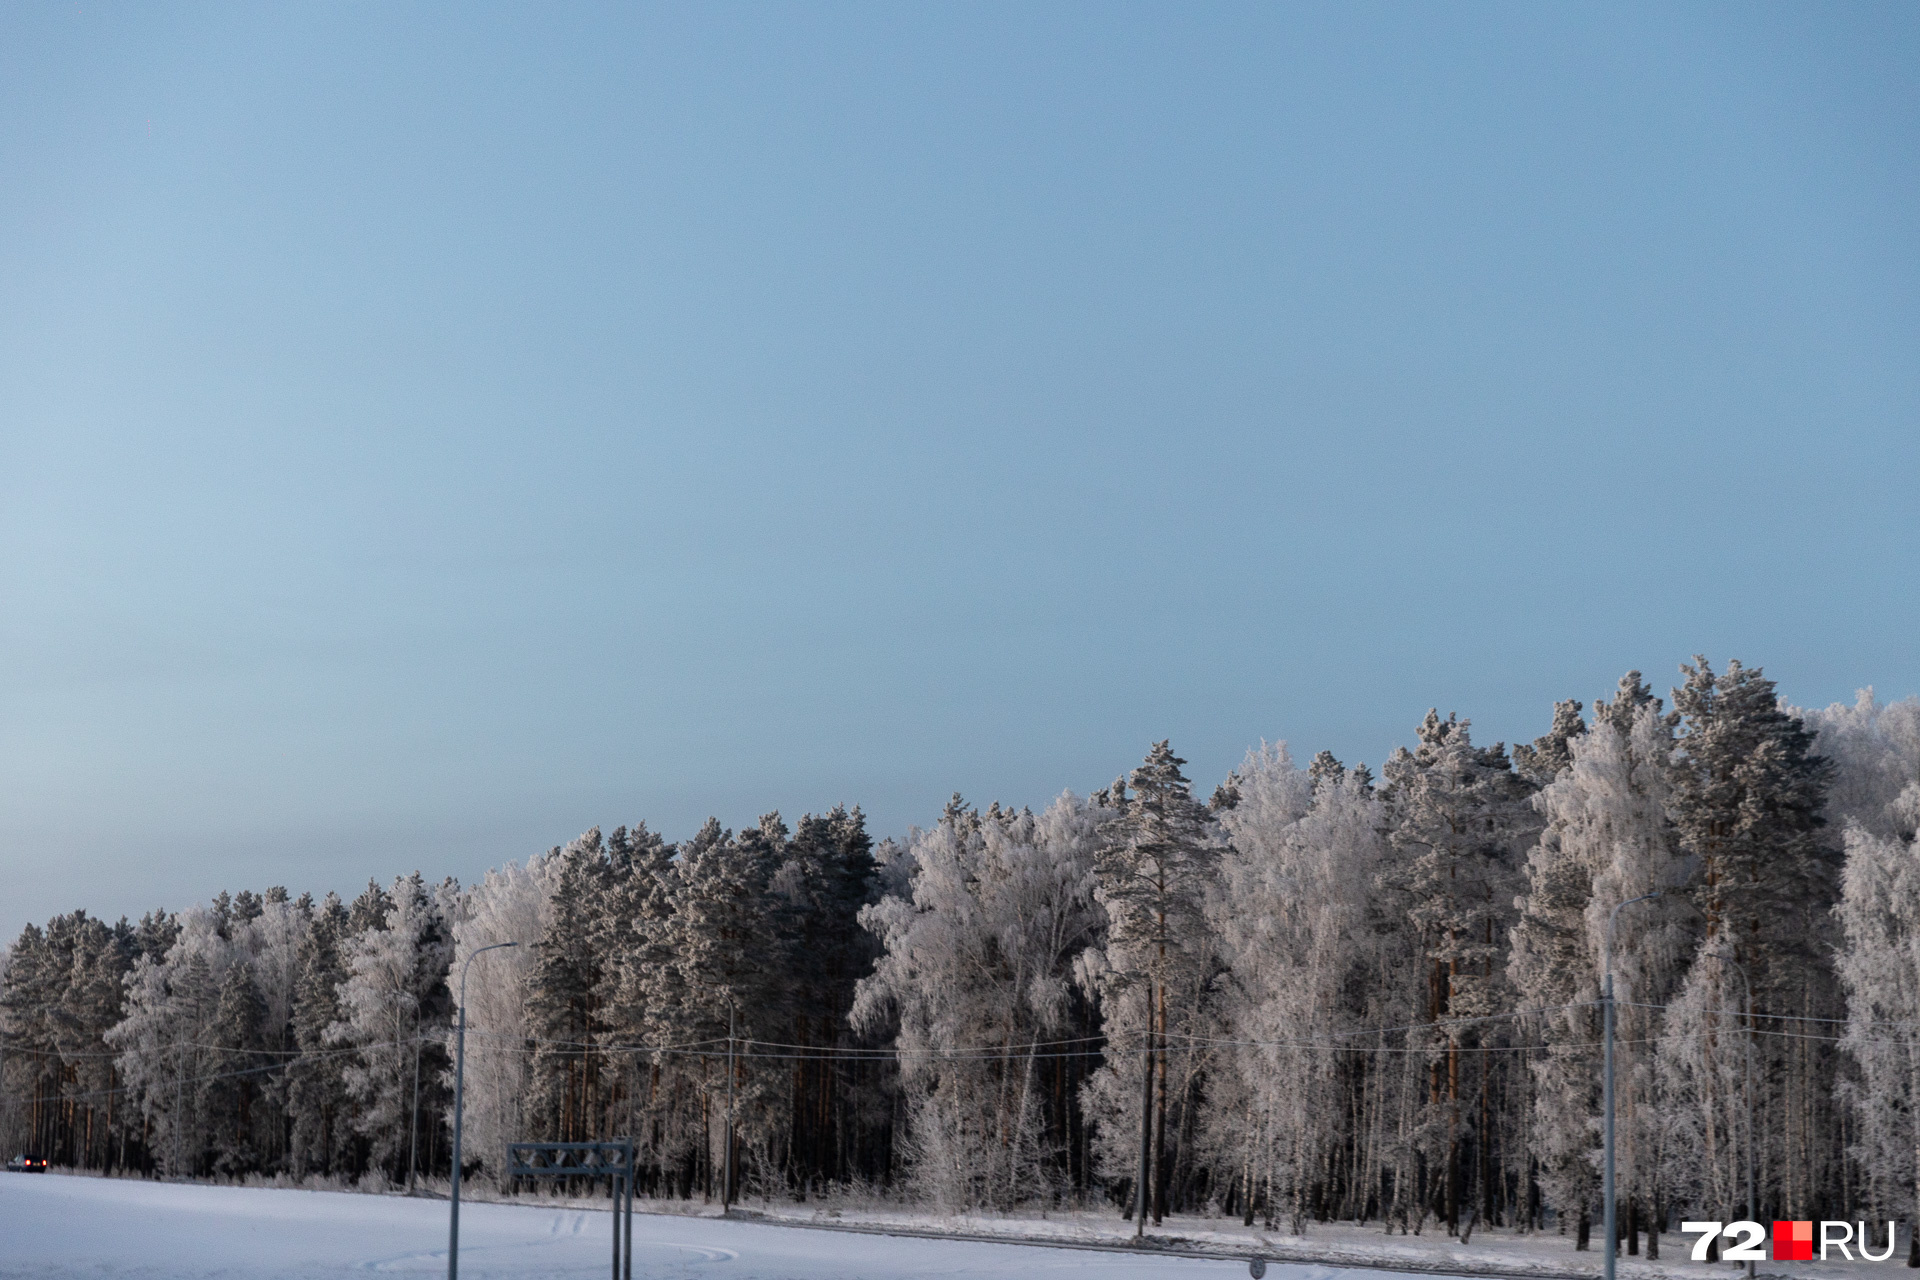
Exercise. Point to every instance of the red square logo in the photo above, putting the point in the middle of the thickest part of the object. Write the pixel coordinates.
(1792, 1241)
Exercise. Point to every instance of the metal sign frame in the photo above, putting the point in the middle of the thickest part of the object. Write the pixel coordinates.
(610, 1160)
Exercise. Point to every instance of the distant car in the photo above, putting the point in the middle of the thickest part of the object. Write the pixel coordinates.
(26, 1164)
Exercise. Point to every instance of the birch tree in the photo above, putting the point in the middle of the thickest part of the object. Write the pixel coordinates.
(1607, 839)
(1879, 964)
(974, 979)
(1297, 1105)
(394, 1009)
(511, 904)
(166, 1045)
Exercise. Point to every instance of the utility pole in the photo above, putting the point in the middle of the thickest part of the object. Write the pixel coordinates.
(1146, 1124)
(726, 1176)
(459, 1082)
(1606, 1002)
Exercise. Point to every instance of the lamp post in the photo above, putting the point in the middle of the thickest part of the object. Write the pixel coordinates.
(459, 1081)
(1606, 1088)
(1746, 984)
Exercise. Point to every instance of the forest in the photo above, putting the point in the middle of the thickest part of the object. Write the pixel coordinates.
(1313, 993)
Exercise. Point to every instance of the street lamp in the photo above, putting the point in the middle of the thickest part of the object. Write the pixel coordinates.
(1606, 1005)
(459, 1080)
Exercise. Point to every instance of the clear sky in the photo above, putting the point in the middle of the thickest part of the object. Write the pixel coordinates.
(429, 431)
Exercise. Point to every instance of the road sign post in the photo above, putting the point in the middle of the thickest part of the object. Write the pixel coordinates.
(610, 1160)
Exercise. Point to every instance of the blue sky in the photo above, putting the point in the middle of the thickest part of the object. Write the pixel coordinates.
(426, 432)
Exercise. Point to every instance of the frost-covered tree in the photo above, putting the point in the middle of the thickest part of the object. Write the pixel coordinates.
(1298, 1106)
(91, 1004)
(316, 1089)
(269, 937)
(723, 989)
(394, 1007)
(975, 978)
(1156, 970)
(511, 904)
(638, 960)
(1879, 963)
(1874, 748)
(166, 1041)
(569, 1078)
(233, 1094)
(1748, 794)
(1551, 754)
(1461, 820)
(1313, 997)
(61, 993)
(1607, 839)
(825, 879)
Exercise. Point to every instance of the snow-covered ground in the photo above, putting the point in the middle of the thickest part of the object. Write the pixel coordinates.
(54, 1227)
(57, 1226)
(1341, 1245)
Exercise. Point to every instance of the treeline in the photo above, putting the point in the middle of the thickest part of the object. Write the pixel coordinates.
(1318, 994)
(273, 1035)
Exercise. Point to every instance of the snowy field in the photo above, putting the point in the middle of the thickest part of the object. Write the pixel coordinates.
(1344, 1248)
(56, 1227)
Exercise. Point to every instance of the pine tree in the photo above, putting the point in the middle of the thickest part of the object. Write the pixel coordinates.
(1747, 802)
(316, 1085)
(724, 986)
(1153, 876)
(1551, 753)
(270, 941)
(35, 977)
(825, 878)
(229, 1095)
(93, 1001)
(1461, 818)
(369, 910)
(564, 995)
(633, 942)
(394, 1008)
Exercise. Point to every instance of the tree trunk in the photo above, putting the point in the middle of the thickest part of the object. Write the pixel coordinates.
(1159, 1167)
